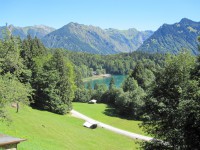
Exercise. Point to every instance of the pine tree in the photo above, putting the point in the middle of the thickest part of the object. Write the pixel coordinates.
(112, 84)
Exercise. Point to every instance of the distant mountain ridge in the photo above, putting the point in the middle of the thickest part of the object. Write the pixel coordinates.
(38, 31)
(87, 38)
(173, 38)
(78, 37)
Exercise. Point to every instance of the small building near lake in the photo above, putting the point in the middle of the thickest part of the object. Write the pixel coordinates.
(9, 142)
(93, 101)
(91, 125)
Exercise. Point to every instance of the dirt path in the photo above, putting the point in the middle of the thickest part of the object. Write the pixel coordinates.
(111, 128)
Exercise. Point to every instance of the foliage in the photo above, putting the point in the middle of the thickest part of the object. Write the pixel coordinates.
(172, 108)
(110, 96)
(113, 64)
(130, 101)
(82, 95)
(54, 83)
(129, 84)
(11, 69)
(143, 73)
(15, 91)
(112, 84)
(28, 69)
(99, 91)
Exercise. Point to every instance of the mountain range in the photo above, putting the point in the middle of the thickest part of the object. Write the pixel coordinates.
(87, 38)
(78, 37)
(174, 38)
(38, 31)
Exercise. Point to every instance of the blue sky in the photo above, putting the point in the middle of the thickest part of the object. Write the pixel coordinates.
(119, 14)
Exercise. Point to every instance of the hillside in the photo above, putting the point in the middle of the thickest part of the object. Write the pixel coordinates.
(173, 38)
(38, 30)
(44, 130)
(105, 114)
(78, 37)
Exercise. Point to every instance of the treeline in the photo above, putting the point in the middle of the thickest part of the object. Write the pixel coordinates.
(51, 79)
(48, 77)
(118, 64)
(30, 73)
(128, 99)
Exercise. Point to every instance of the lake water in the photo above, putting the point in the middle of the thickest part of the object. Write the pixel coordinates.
(118, 80)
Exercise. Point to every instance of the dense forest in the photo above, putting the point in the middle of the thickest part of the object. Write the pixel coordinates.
(117, 64)
(30, 73)
(51, 79)
(160, 90)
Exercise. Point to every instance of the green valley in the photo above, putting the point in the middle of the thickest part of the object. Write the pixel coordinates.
(78, 84)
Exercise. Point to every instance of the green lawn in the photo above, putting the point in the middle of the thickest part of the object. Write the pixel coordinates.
(47, 131)
(97, 112)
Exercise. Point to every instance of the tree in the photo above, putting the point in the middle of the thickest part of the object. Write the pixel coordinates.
(17, 92)
(99, 91)
(90, 90)
(65, 85)
(78, 76)
(172, 109)
(109, 96)
(98, 71)
(11, 71)
(130, 102)
(11, 61)
(13, 91)
(143, 74)
(82, 95)
(54, 83)
(112, 84)
(129, 84)
(137, 73)
(96, 86)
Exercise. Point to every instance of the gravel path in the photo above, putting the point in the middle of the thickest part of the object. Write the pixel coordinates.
(111, 128)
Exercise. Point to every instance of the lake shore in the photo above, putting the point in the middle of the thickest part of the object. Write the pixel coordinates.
(95, 77)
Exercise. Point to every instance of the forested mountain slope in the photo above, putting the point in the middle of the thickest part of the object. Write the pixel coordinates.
(173, 38)
(78, 37)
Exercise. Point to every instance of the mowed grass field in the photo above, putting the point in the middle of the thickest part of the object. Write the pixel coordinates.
(102, 113)
(47, 131)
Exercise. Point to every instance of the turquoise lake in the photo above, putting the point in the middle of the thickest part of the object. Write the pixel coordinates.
(118, 80)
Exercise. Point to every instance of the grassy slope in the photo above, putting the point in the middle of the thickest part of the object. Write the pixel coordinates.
(48, 131)
(97, 111)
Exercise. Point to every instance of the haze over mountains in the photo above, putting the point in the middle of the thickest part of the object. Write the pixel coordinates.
(78, 37)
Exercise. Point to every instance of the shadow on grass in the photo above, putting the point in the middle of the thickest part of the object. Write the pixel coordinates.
(40, 108)
(112, 112)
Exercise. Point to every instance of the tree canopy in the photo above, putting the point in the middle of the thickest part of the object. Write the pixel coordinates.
(172, 109)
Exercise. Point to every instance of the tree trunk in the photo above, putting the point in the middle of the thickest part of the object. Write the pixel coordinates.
(17, 107)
